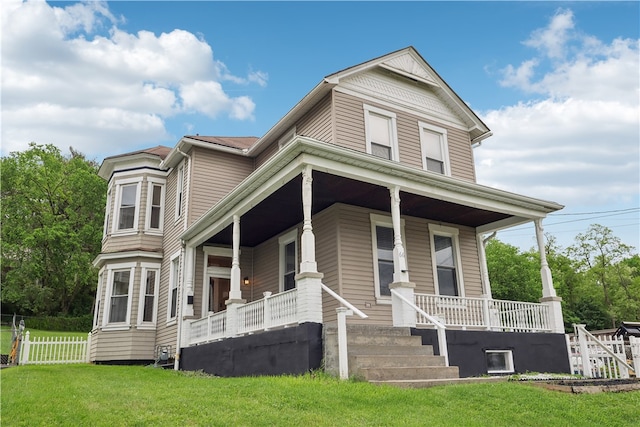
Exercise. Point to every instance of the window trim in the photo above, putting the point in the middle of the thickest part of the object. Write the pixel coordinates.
(444, 146)
(509, 368)
(283, 241)
(146, 267)
(452, 233)
(174, 279)
(118, 202)
(108, 215)
(368, 109)
(106, 312)
(96, 314)
(151, 182)
(382, 221)
(179, 210)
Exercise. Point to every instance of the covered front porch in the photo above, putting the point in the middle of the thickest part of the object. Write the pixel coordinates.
(309, 180)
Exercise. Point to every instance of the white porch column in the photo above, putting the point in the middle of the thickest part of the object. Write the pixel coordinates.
(235, 294)
(309, 281)
(549, 296)
(189, 257)
(308, 240)
(403, 315)
(486, 284)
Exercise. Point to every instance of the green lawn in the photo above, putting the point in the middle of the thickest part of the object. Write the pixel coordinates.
(89, 395)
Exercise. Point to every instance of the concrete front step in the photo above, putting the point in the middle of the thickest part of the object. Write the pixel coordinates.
(423, 383)
(358, 361)
(384, 340)
(369, 350)
(369, 330)
(409, 373)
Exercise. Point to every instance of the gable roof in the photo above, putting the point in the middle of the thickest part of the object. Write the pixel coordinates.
(406, 62)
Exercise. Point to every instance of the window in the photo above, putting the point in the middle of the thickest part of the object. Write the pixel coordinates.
(382, 246)
(96, 314)
(180, 184)
(288, 260)
(499, 361)
(172, 306)
(380, 130)
(435, 153)
(148, 306)
(107, 214)
(127, 201)
(445, 258)
(155, 204)
(117, 299)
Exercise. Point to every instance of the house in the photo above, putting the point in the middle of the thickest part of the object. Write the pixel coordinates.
(245, 256)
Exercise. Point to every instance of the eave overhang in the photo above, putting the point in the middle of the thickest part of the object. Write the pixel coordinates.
(340, 161)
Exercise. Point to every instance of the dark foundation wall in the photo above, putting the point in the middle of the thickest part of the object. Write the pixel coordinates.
(539, 352)
(294, 350)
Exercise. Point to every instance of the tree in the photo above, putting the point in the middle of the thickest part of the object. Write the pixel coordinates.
(600, 256)
(52, 217)
(513, 275)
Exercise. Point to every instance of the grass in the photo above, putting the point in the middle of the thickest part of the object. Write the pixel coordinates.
(78, 395)
(5, 336)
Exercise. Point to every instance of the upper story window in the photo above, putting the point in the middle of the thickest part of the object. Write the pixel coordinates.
(288, 260)
(435, 152)
(155, 204)
(445, 256)
(380, 133)
(127, 205)
(107, 214)
(96, 314)
(179, 191)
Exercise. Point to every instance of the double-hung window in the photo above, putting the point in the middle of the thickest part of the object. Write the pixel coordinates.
(288, 259)
(380, 133)
(117, 302)
(96, 314)
(179, 191)
(127, 205)
(155, 205)
(435, 152)
(445, 256)
(172, 306)
(148, 302)
(382, 239)
(107, 214)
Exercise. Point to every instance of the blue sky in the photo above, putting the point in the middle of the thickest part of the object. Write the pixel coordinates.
(557, 82)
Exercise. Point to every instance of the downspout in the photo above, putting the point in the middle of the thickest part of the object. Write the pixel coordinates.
(176, 363)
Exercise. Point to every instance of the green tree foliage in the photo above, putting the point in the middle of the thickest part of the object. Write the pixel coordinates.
(52, 217)
(598, 277)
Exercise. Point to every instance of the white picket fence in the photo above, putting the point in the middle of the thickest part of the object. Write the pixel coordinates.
(603, 356)
(54, 350)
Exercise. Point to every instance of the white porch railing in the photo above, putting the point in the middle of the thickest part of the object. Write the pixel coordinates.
(602, 356)
(270, 312)
(54, 350)
(499, 315)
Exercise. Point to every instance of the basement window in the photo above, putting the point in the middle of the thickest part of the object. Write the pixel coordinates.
(499, 361)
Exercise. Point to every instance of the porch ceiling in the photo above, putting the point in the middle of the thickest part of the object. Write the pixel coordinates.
(283, 209)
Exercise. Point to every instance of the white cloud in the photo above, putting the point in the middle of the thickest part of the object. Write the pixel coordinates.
(578, 143)
(70, 76)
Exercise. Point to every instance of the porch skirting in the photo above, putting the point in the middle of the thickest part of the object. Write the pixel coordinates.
(292, 350)
(532, 352)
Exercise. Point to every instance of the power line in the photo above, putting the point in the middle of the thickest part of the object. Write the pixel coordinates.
(595, 212)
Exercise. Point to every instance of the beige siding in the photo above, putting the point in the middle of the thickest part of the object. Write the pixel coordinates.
(349, 122)
(214, 175)
(266, 266)
(470, 262)
(317, 122)
(268, 152)
(350, 133)
(123, 345)
(326, 233)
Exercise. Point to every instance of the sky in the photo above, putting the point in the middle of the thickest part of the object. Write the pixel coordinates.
(558, 83)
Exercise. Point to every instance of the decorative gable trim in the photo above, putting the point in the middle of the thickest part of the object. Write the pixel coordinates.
(409, 67)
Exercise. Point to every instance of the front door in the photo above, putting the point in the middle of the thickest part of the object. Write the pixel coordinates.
(218, 293)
